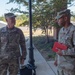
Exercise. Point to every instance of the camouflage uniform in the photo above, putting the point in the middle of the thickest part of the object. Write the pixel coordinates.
(66, 64)
(11, 40)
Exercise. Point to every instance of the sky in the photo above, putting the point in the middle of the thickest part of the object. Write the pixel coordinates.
(72, 8)
(4, 7)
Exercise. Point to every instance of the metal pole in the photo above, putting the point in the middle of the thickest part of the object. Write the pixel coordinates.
(31, 55)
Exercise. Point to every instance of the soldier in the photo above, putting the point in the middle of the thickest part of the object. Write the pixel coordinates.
(11, 41)
(66, 58)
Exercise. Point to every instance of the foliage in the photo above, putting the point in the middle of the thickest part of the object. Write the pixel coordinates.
(2, 18)
(39, 42)
(42, 15)
(59, 4)
(24, 2)
(43, 10)
(54, 24)
(21, 20)
(73, 17)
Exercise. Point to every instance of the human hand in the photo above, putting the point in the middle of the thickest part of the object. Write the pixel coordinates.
(22, 61)
(59, 52)
(55, 63)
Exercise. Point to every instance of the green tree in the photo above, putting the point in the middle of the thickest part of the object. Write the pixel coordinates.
(2, 18)
(22, 20)
(42, 16)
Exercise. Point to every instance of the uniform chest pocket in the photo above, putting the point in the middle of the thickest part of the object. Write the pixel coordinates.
(3, 39)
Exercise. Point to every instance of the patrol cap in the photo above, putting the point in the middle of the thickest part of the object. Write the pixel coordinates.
(9, 15)
(62, 13)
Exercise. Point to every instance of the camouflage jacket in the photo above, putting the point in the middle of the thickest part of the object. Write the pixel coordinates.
(11, 41)
(67, 36)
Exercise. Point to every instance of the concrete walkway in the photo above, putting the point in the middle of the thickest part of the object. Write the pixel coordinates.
(43, 67)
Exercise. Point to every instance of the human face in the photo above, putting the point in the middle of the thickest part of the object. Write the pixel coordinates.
(11, 22)
(61, 21)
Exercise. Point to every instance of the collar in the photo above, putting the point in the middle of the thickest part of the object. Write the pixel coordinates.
(6, 29)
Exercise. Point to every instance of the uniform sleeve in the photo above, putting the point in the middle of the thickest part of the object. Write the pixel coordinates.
(23, 44)
(71, 44)
(74, 38)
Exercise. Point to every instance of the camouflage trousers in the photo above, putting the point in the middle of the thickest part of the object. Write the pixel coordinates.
(10, 64)
(66, 68)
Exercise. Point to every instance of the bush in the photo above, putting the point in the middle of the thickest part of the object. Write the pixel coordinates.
(42, 46)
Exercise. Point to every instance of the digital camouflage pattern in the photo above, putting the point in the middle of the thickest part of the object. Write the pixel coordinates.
(13, 66)
(66, 63)
(11, 41)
